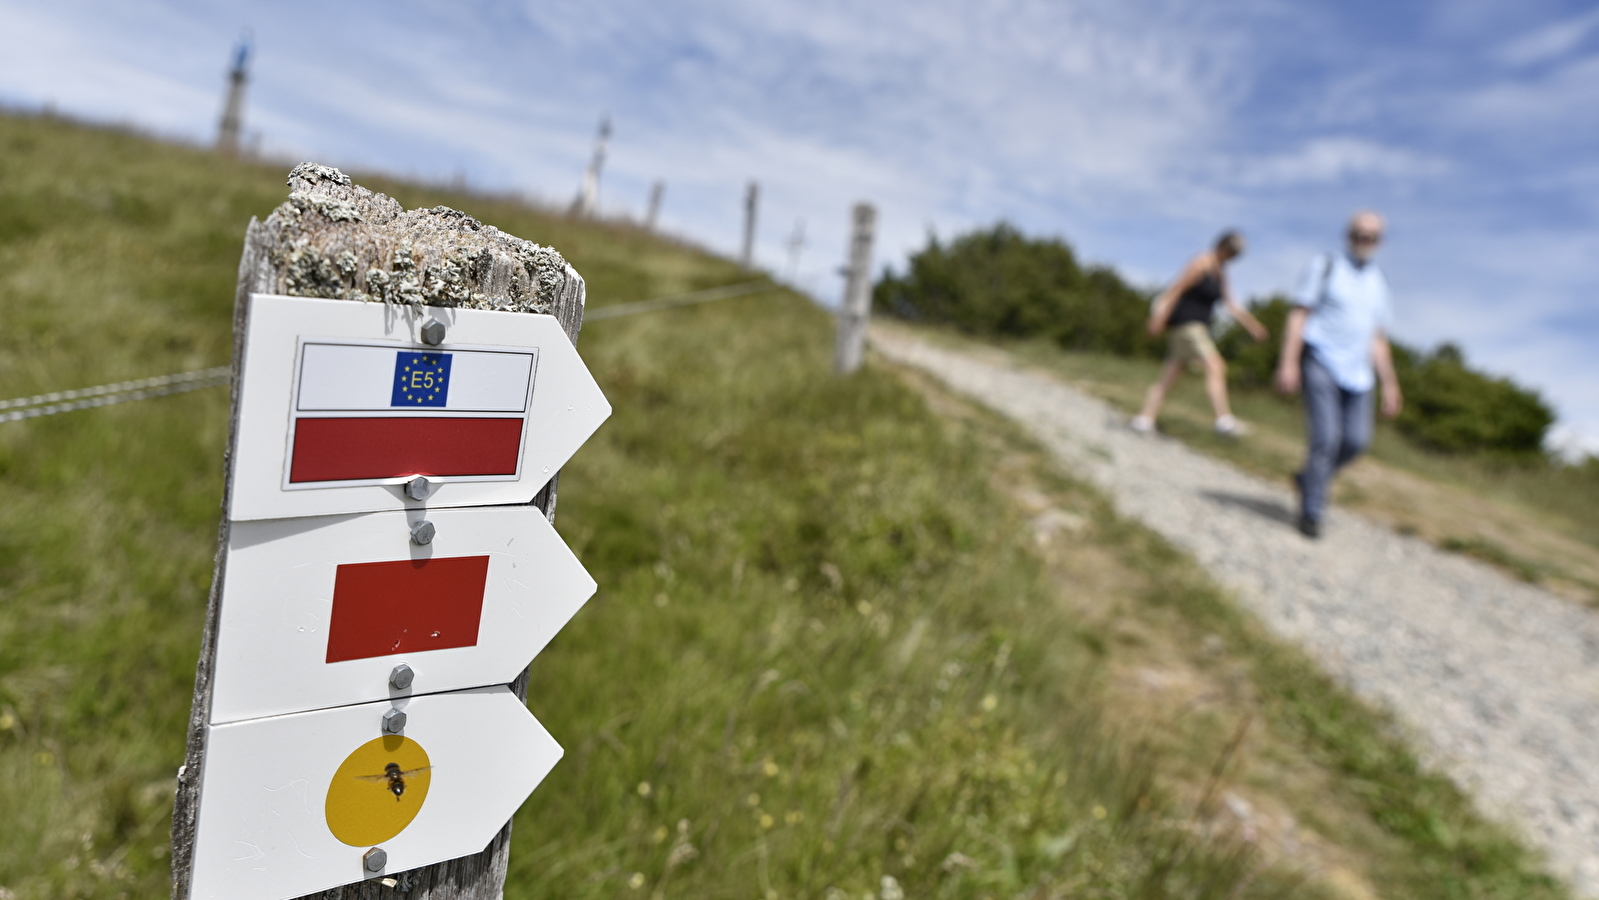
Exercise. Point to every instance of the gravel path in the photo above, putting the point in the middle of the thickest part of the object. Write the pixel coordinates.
(1498, 679)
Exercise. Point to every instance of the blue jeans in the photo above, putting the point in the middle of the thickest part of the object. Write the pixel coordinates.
(1338, 424)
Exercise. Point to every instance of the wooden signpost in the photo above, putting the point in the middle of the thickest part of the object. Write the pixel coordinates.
(405, 391)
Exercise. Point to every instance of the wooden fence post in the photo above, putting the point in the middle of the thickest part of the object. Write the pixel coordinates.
(855, 311)
(653, 212)
(337, 240)
(751, 199)
(233, 106)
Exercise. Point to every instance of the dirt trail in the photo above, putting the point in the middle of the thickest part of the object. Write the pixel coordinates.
(1497, 679)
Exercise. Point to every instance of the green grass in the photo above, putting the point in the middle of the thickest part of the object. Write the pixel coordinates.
(823, 653)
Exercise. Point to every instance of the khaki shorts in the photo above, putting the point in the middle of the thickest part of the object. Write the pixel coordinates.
(1189, 343)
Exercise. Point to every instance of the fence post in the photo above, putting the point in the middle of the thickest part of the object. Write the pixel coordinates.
(588, 195)
(337, 240)
(233, 106)
(855, 311)
(654, 210)
(751, 198)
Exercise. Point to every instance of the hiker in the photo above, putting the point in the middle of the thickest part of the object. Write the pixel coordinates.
(1334, 339)
(1184, 311)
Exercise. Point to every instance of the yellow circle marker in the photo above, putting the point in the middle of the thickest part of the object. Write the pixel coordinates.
(378, 790)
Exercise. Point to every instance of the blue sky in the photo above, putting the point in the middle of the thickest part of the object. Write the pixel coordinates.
(1136, 129)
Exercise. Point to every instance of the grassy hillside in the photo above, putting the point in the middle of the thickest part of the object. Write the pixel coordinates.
(834, 653)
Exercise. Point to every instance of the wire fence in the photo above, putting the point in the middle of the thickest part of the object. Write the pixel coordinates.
(108, 394)
(642, 306)
(164, 385)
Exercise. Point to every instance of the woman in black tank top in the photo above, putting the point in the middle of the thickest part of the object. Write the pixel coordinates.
(1184, 312)
(1198, 302)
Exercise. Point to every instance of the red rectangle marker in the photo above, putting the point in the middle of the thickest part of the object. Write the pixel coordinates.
(406, 606)
(355, 449)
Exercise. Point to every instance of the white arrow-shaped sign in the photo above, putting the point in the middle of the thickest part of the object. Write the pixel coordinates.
(342, 404)
(318, 612)
(301, 803)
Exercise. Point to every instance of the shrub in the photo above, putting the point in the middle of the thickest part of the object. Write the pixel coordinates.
(999, 282)
(1452, 408)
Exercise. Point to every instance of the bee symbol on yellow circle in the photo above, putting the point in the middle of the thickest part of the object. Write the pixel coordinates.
(395, 778)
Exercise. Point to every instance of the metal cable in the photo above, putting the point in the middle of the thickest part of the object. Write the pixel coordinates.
(207, 375)
(705, 296)
(104, 396)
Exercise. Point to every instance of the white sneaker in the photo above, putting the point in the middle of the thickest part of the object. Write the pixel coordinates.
(1142, 424)
(1229, 426)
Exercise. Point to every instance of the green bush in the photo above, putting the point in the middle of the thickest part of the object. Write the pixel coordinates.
(1452, 408)
(999, 282)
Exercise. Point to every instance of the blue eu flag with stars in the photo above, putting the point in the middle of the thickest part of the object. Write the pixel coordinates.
(421, 379)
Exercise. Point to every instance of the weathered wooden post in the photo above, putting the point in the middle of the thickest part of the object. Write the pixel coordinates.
(588, 195)
(751, 199)
(796, 245)
(855, 311)
(233, 106)
(335, 240)
(653, 211)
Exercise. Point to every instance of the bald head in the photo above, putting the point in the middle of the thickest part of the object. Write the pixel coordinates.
(1365, 233)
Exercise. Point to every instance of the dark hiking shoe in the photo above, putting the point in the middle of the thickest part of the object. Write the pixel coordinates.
(1309, 527)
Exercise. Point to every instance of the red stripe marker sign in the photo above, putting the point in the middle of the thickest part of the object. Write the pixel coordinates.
(317, 612)
(487, 415)
(406, 606)
(367, 412)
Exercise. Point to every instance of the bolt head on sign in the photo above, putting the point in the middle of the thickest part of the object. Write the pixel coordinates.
(486, 415)
(294, 804)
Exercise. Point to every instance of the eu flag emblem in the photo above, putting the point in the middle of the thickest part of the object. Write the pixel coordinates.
(421, 379)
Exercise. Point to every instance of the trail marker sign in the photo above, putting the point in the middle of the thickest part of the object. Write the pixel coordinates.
(382, 577)
(316, 612)
(282, 814)
(341, 404)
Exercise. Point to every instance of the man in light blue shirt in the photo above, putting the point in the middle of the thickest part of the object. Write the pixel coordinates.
(1335, 349)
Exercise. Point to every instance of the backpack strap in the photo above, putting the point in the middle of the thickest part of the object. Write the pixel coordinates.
(1326, 275)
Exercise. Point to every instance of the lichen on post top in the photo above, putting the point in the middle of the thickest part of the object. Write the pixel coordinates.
(338, 240)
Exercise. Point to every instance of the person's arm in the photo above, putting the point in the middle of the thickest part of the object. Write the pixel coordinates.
(1307, 293)
(1382, 358)
(1293, 347)
(1247, 319)
(1167, 302)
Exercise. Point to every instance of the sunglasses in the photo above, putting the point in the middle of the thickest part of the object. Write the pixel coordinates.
(1365, 237)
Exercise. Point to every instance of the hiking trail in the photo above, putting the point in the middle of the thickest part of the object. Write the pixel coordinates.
(1496, 680)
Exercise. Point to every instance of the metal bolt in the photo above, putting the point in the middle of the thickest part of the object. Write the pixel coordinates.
(418, 488)
(401, 678)
(393, 722)
(422, 532)
(375, 859)
(433, 332)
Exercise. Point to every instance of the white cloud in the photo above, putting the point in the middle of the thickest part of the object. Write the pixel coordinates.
(1327, 160)
(1549, 42)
